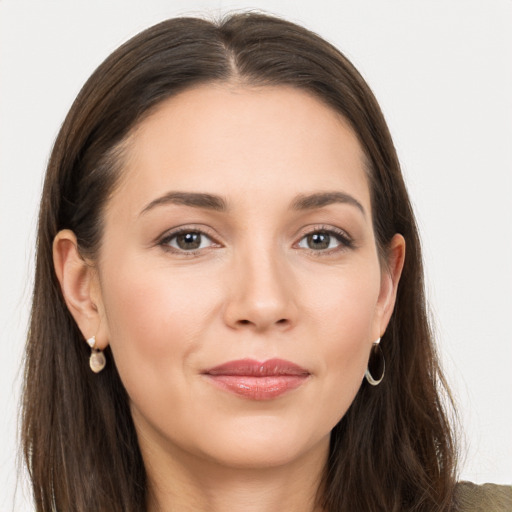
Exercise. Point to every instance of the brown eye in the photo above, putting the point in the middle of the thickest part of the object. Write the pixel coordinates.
(318, 241)
(188, 241)
(325, 240)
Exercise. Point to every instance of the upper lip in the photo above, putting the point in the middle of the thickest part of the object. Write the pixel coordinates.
(253, 368)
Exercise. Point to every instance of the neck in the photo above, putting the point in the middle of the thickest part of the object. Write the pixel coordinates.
(187, 484)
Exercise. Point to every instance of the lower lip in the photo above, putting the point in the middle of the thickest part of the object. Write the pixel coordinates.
(258, 388)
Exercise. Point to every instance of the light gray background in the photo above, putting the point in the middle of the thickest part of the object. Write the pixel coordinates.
(442, 71)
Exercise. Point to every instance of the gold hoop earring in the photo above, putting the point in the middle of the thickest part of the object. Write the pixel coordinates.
(97, 360)
(376, 365)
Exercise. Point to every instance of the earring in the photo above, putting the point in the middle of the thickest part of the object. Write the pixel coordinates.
(376, 365)
(97, 360)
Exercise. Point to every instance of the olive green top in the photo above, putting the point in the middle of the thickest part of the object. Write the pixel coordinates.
(470, 497)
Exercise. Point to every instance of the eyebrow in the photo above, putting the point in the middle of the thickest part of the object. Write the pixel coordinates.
(193, 199)
(321, 199)
(219, 204)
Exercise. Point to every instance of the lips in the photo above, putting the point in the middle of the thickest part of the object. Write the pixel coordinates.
(257, 380)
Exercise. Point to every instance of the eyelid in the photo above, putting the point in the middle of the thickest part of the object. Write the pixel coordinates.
(346, 240)
(163, 240)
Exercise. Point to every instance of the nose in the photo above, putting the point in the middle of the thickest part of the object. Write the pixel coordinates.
(261, 293)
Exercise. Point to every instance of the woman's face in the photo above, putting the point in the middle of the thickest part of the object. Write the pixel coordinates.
(239, 283)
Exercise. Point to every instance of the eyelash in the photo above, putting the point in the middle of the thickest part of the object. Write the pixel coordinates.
(344, 240)
(166, 239)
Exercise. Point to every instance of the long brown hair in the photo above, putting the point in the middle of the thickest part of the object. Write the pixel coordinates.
(392, 451)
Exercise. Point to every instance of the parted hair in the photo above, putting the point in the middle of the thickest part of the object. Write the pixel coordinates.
(393, 450)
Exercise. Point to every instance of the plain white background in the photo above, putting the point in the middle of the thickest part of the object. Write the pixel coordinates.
(442, 71)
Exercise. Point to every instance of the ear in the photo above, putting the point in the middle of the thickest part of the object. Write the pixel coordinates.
(80, 287)
(390, 276)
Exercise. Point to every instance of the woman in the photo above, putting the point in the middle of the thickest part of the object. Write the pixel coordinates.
(228, 310)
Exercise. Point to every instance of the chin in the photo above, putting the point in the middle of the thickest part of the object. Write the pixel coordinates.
(263, 444)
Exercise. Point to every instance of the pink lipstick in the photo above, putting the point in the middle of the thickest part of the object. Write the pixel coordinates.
(258, 381)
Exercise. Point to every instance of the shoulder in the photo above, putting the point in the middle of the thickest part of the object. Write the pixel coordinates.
(470, 497)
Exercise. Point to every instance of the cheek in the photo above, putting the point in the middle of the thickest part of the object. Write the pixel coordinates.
(154, 323)
(344, 318)
(344, 307)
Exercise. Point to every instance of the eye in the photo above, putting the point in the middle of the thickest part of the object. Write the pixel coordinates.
(187, 241)
(324, 240)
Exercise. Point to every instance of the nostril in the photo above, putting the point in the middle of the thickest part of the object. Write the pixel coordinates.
(282, 321)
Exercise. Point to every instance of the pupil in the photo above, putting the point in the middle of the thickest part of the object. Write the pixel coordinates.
(319, 241)
(188, 241)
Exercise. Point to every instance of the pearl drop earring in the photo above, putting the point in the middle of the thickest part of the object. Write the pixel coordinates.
(97, 360)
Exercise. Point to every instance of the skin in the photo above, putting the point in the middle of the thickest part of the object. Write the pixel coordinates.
(257, 287)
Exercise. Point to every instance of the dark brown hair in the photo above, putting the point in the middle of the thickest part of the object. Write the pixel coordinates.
(392, 451)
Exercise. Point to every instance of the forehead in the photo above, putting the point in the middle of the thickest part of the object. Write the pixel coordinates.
(240, 140)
